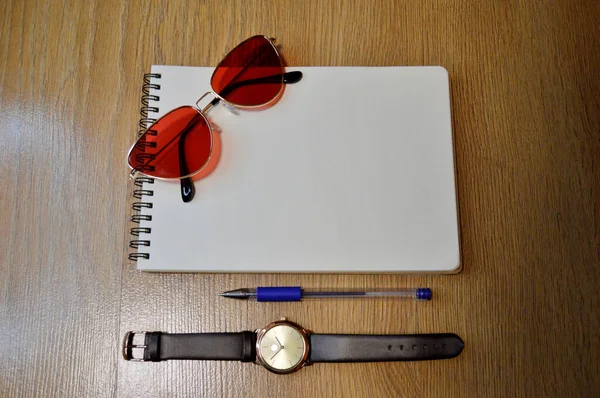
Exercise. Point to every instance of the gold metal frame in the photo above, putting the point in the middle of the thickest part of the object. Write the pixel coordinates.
(203, 112)
(304, 333)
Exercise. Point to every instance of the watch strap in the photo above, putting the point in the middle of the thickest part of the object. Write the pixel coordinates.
(377, 348)
(160, 346)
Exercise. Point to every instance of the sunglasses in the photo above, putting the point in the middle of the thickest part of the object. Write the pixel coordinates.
(179, 145)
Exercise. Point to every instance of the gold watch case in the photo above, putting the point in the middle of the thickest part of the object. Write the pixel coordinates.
(282, 347)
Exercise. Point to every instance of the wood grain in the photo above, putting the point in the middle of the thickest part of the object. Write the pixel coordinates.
(525, 86)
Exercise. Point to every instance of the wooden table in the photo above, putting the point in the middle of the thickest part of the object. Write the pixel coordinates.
(525, 88)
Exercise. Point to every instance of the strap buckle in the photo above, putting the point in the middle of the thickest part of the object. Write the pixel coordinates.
(130, 348)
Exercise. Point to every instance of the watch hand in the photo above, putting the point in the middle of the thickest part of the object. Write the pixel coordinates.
(281, 347)
(279, 342)
(277, 352)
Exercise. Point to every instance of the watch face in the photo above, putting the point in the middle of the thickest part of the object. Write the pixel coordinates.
(282, 347)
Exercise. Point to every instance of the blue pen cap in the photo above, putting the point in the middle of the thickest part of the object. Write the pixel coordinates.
(423, 293)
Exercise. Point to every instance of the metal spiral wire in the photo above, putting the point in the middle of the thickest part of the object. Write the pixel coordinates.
(142, 192)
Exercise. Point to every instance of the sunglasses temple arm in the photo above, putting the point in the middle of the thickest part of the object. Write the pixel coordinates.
(292, 77)
(287, 78)
(187, 185)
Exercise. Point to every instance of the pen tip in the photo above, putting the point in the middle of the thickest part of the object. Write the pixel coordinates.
(221, 294)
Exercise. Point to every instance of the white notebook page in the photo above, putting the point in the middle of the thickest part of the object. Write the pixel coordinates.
(351, 171)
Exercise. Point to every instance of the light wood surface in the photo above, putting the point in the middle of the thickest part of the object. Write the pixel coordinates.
(525, 89)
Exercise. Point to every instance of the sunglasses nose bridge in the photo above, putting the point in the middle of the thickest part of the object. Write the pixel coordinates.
(203, 106)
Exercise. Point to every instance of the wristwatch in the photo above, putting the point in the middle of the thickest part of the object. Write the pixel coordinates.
(284, 347)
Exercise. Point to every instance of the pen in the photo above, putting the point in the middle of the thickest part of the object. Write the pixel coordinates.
(296, 293)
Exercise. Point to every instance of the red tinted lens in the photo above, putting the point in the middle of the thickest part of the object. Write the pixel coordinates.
(177, 145)
(250, 75)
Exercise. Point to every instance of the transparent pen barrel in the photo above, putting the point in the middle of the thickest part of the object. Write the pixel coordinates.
(406, 294)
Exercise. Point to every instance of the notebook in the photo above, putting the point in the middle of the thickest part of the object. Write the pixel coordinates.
(351, 171)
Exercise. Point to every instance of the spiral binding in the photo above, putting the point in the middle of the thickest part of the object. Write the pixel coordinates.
(139, 192)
